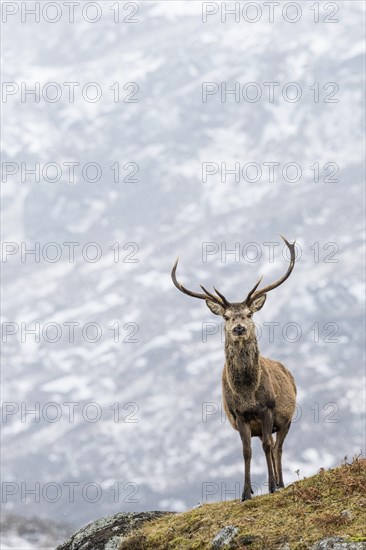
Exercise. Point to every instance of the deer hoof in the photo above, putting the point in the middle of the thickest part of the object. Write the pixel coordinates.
(246, 496)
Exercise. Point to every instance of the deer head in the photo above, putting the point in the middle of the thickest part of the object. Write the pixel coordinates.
(238, 315)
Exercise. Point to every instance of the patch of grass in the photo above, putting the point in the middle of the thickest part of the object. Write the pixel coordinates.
(330, 503)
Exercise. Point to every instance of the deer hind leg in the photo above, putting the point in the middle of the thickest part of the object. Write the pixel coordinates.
(274, 461)
(280, 438)
(267, 444)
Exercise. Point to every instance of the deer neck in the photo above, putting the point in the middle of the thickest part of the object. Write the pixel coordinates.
(242, 365)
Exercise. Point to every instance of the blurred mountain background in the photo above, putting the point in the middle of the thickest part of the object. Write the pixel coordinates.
(155, 437)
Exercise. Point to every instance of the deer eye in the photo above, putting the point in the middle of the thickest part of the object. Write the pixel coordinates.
(250, 314)
(226, 317)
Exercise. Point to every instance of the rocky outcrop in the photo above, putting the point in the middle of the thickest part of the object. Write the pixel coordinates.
(107, 533)
(337, 543)
(224, 537)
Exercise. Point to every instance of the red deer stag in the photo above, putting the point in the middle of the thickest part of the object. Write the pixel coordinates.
(258, 393)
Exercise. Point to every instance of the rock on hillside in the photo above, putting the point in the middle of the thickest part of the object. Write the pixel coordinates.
(107, 533)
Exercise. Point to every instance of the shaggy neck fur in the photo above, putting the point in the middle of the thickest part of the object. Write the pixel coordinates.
(243, 367)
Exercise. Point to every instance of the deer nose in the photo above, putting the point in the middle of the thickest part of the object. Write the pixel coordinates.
(239, 330)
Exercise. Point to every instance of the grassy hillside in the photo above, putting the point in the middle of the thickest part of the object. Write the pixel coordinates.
(330, 503)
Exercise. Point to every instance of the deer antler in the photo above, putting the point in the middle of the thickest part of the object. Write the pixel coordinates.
(221, 300)
(254, 294)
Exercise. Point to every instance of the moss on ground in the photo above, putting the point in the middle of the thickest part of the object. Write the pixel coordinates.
(301, 514)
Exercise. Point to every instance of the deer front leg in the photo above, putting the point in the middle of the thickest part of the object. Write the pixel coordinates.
(246, 435)
(267, 444)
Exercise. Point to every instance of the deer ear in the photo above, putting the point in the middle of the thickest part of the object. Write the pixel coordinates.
(215, 308)
(258, 304)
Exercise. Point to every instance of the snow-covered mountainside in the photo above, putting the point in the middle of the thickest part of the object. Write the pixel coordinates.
(18, 532)
(123, 371)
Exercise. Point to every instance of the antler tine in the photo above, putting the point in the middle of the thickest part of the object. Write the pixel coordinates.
(248, 298)
(206, 296)
(210, 295)
(254, 295)
(222, 297)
